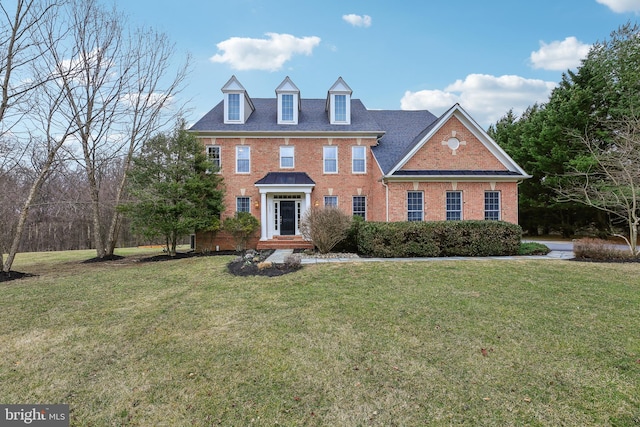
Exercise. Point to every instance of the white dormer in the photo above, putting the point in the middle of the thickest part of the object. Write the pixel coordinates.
(237, 104)
(339, 103)
(288, 102)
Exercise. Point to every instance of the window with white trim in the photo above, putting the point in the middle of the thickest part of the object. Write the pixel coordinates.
(358, 161)
(233, 107)
(243, 204)
(415, 206)
(287, 107)
(286, 156)
(243, 159)
(360, 206)
(454, 205)
(340, 108)
(213, 153)
(330, 159)
(330, 201)
(492, 205)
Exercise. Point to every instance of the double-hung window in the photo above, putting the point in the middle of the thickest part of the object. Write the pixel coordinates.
(454, 205)
(243, 159)
(213, 153)
(492, 205)
(415, 206)
(286, 156)
(358, 154)
(330, 201)
(233, 107)
(243, 204)
(330, 159)
(360, 206)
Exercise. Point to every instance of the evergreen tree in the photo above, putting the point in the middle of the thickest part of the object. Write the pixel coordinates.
(547, 141)
(174, 189)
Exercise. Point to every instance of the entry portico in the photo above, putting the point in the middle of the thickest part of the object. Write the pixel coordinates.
(284, 199)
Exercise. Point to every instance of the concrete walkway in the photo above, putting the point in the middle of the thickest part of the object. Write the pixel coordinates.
(280, 255)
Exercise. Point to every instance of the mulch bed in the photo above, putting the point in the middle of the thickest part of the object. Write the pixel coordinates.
(240, 267)
(237, 267)
(13, 275)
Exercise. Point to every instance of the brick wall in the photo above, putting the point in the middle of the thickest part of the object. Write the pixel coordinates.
(471, 155)
(434, 198)
(308, 157)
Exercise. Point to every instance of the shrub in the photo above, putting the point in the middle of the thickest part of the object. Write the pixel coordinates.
(599, 249)
(350, 242)
(325, 227)
(241, 227)
(533, 248)
(293, 261)
(441, 238)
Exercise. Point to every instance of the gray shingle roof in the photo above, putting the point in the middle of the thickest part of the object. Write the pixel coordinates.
(403, 130)
(286, 178)
(398, 130)
(312, 118)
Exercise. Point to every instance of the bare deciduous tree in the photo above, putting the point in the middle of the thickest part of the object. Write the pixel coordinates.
(118, 98)
(21, 56)
(609, 179)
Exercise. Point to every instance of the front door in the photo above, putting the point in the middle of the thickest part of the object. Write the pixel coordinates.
(287, 218)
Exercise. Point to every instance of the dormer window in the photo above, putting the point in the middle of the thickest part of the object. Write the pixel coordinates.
(237, 104)
(233, 107)
(288, 102)
(340, 114)
(339, 103)
(287, 107)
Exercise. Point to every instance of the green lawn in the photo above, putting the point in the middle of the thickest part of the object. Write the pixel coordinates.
(181, 343)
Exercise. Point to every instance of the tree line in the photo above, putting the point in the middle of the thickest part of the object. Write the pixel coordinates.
(583, 146)
(81, 91)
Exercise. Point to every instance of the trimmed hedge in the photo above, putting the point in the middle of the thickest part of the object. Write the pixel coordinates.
(438, 239)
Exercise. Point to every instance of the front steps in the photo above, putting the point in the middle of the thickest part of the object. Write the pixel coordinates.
(284, 242)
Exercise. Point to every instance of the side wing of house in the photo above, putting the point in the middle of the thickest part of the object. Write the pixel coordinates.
(451, 170)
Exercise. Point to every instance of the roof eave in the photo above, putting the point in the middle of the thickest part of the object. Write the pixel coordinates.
(447, 178)
(286, 134)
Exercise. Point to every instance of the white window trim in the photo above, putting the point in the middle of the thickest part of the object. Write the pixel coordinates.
(240, 108)
(421, 207)
(446, 211)
(353, 158)
(499, 204)
(207, 147)
(334, 120)
(325, 201)
(365, 206)
(294, 102)
(324, 159)
(293, 157)
(237, 158)
(243, 197)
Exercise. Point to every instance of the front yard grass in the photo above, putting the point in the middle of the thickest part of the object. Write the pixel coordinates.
(183, 342)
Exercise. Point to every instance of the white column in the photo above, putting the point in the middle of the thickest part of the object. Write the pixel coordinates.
(263, 216)
(307, 201)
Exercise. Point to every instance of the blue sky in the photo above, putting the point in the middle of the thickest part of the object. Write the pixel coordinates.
(489, 56)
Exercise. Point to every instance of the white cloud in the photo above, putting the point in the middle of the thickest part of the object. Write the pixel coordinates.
(357, 20)
(622, 6)
(243, 53)
(486, 98)
(559, 55)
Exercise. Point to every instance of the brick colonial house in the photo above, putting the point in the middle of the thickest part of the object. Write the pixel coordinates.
(280, 156)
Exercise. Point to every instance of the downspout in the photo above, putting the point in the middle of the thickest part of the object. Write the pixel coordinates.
(386, 187)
